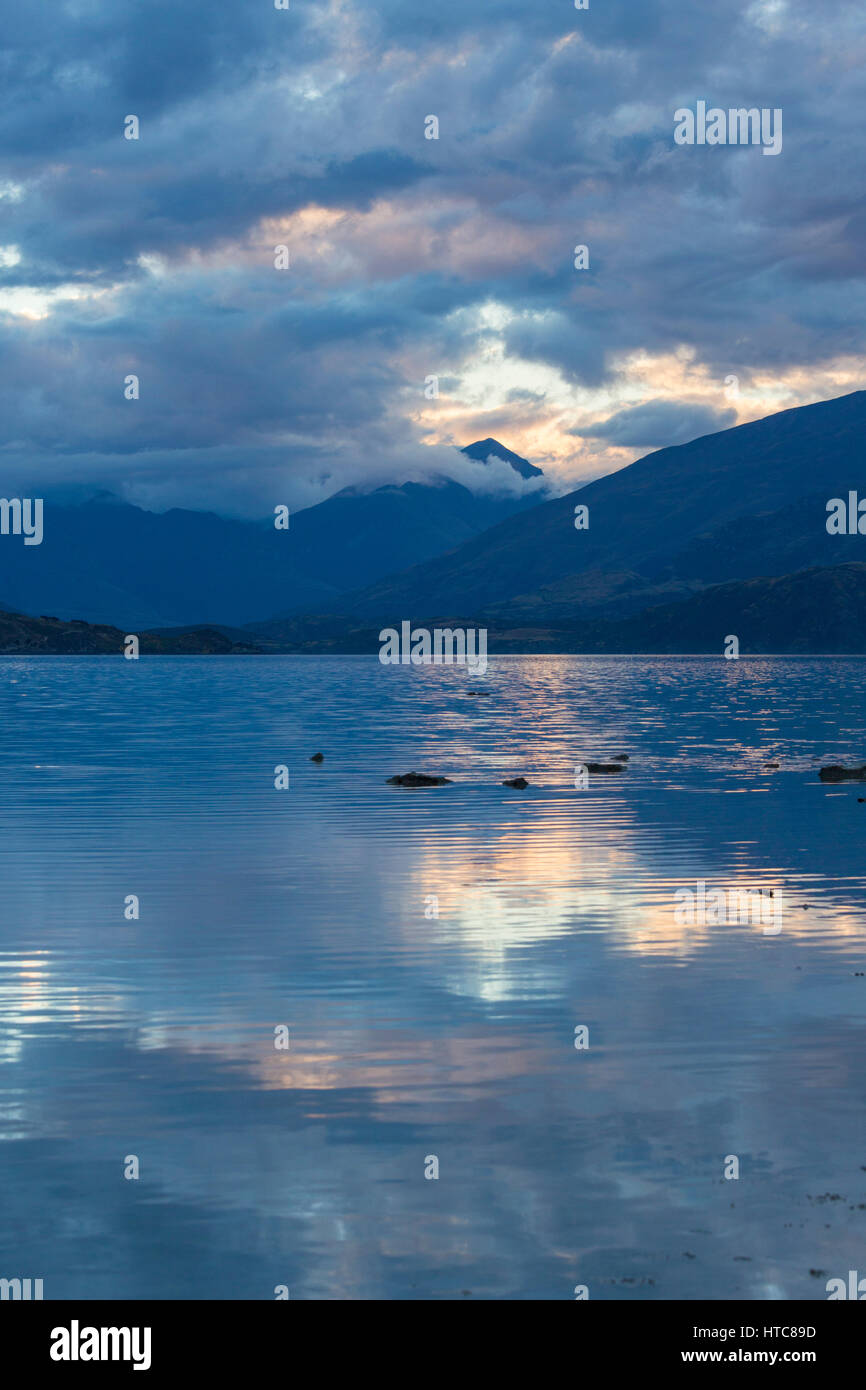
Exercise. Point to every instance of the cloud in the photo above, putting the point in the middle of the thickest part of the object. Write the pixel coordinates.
(657, 424)
(306, 127)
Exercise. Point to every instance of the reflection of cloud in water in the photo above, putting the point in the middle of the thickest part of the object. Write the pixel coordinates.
(412, 1035)
(527, 890)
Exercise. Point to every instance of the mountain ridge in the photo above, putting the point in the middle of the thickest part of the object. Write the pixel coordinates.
(649, 519)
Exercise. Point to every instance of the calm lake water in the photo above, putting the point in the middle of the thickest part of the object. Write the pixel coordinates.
(413, 1035)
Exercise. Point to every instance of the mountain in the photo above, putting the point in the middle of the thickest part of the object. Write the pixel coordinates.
(355, 538)
(742, 503)
(484, 449)
(49, 636)
(115, 563)
(816, 610)
(819, 610)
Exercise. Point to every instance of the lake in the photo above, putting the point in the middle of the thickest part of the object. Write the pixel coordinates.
(431, 954)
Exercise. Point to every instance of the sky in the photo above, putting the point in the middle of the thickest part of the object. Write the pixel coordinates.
(722, 284)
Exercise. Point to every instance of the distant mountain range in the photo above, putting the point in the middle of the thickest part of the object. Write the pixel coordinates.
(724, 535)
(110, 562)
(815, 610)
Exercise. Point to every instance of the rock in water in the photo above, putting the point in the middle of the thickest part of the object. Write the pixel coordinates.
(518, 782)
(317, 758)
(621, 758)
(418, 779)
(843, 774)
(603, 767)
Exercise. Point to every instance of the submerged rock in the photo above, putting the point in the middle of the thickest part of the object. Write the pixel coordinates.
(621, 758)
(418, 779)
(518, 782)
(834, 773)
(317, 758)
(603, 767)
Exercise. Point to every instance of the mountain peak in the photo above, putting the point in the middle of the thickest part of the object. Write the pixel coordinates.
(483, 449)
(739, 504)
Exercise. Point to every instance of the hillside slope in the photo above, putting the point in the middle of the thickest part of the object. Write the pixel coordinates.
(741, 503)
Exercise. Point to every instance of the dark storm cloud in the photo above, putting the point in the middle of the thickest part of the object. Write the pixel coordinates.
(555, 129)
(656, 424)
